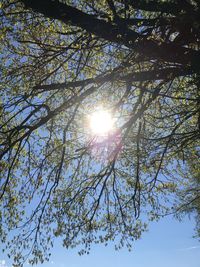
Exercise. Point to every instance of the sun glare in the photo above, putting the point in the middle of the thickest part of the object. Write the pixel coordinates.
(101, 122)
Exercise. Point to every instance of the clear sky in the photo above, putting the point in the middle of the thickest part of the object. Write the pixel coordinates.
(168, 243)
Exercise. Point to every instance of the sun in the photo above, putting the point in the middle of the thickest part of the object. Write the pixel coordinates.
(101, 122)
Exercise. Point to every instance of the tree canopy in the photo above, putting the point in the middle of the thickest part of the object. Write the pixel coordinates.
(60, 62)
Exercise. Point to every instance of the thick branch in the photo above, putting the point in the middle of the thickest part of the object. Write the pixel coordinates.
(152, 75)
(114, 33)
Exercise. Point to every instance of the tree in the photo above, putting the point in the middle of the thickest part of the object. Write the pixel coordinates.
(189, 201)
(60, 60)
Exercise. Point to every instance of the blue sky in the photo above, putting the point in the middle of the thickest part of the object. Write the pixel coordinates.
(168, 243)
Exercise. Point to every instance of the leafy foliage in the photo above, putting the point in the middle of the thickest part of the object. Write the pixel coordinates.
(60, 60)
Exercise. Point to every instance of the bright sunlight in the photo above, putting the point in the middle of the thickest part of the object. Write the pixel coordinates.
(101, 122)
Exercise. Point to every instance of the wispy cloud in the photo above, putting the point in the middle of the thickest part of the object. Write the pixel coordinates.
(189, 248)
(3, 263)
